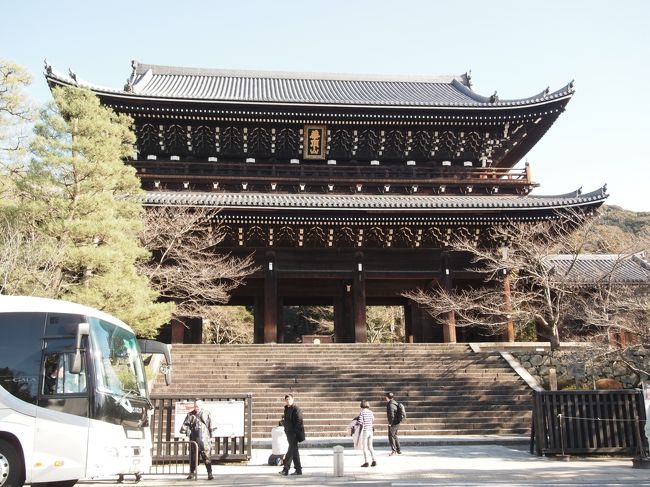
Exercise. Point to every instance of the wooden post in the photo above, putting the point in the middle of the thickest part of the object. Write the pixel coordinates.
(449, 327)
(178, 331)
(509, 334)
(359, 300)
(408, 323)
(416, 322)
(270, 300)
(258, 320)
(343, 326)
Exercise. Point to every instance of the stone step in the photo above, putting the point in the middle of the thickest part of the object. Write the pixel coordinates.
(446, 389)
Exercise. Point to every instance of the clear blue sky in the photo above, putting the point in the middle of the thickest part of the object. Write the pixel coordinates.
(517, 48)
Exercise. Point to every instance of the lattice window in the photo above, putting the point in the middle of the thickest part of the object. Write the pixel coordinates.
(259, 142)
(175, 137)
(232, 141)
(368, 145)
(204, 141)
(341, 145)
(395, 144)
(287, 143)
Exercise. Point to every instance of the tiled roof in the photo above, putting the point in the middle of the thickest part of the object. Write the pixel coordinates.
(398, 203)
(591, 268)
(153, 81)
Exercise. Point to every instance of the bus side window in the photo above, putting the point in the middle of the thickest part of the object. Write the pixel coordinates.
(57, 379)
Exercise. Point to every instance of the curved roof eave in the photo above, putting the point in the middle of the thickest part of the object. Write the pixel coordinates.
(54, 77)
(373, 203)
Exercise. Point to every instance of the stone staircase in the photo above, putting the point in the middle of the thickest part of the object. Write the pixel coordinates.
(446, 388)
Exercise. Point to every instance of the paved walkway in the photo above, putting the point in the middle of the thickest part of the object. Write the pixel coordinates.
(447, 465)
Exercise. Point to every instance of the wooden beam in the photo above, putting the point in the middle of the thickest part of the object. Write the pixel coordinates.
(449, 327)
(270, 300)
(359, 301)
(258, 320)
(178, 331)
(509, 335)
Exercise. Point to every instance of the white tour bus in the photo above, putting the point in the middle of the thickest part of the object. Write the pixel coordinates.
(74, 401)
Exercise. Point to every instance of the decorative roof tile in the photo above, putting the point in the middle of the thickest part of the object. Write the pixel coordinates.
(269, 87)
(370, 203)
(592, 268)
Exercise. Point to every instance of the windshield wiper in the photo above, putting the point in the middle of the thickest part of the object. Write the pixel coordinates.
(124, 402)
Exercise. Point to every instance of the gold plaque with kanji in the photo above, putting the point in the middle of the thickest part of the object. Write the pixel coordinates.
(315, 142)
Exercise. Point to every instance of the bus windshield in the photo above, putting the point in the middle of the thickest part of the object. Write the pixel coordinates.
(118, 365)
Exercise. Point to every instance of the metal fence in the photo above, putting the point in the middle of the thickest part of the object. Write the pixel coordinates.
(588, 422)
(179, 463)
(168, 450)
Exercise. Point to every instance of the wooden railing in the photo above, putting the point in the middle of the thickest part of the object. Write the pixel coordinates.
(585, 422)
(335, 174)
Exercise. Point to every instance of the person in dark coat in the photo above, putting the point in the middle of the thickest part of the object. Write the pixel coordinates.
(295, 431)
(198, 426)
(393, 424)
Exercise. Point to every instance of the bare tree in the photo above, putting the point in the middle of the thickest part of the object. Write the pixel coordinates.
(521, 256)
(186, 267)
(385, 324)
(227, 324)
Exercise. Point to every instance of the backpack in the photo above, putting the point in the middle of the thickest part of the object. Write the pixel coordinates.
(400, 414)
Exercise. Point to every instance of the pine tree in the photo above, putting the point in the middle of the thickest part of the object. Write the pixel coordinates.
(79, 193)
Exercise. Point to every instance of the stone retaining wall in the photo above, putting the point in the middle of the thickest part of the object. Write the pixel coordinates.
(567, 364)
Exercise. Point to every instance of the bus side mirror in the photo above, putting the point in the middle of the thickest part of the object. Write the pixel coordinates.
(153, 346)
(83, 329)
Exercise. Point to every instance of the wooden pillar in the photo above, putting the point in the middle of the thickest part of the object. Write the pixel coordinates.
(258, 320)
(509, 334)
(279, 306)
(417, 326)
(408, 324)
(449, 326)
(196, 330)
(270, 300)
(343, 329)
(359, 300)
(178, 331)
(427, 326)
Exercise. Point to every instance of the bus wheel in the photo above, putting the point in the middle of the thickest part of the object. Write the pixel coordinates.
(11, 472)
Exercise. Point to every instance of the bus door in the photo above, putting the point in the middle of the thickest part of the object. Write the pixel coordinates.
(61, 436)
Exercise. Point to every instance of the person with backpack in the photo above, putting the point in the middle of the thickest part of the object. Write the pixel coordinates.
(295, 431)
(198, 426)
(395, 417)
